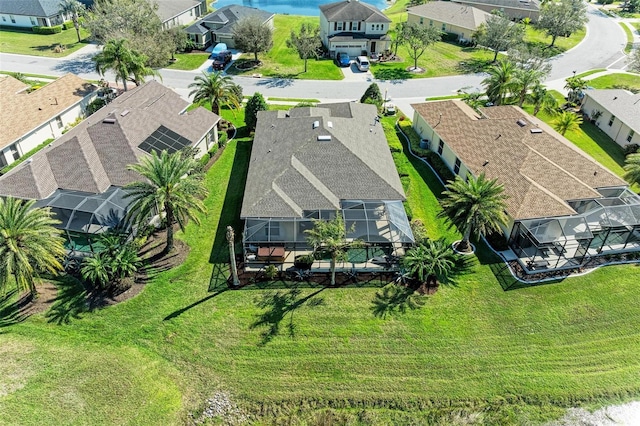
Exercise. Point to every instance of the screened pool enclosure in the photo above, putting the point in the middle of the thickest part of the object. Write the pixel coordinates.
(382, 226)
(84, 216)
(607, 225)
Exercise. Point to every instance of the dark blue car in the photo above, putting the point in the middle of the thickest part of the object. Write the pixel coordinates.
(343, 59)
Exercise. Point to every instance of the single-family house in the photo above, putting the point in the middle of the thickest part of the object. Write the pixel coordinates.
(217, 27)
(30, 13)
(563, 207)
(455, 18)
(81, 174)
(311, 163)
(616, 112)
(513, 9)
(353, 27)
(28, 118)
(180, 12)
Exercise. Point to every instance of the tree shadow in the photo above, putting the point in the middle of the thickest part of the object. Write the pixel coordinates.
(473, 65)
(13, 312)
(180, 311)
(394, 299)
(277, 306)
(389, 72)
(278, 81)
(81, 64)
(70, 303)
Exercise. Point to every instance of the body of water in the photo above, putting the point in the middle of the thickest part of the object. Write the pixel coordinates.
(292, 7)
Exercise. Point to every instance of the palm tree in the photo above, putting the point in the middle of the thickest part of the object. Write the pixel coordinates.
(632, 168)
(431, 261)
(138, 69)
(474, 207)
(172, 186)
(118, 57)
(331, 236)
(29, 244)
(500, 82)
(75, 9)
(524, 79)
(575, 87)
(542, 99)
(567, 121)
(96, 269)
(215, 89)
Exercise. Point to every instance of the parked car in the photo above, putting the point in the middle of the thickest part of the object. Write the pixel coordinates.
(343, 59)
(363, 63)
(220, 60)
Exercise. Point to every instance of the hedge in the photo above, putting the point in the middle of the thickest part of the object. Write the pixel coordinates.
(47, 30)
(67, 25)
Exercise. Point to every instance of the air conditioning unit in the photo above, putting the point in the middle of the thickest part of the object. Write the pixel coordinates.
(425, 143)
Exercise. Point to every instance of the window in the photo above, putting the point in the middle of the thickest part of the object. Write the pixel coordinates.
(611, 120)
(431, 22)
(421, 20)
(456, 166)
(338, 26)
(13, 19)
(33, 20)
(274, 229)
(631, 133)
(382, 27)
(14, 152)
(440, 147)
(444, 27)
(4, 19)
(59, 121)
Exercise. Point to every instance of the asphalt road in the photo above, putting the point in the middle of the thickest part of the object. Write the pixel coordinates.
(601, 48)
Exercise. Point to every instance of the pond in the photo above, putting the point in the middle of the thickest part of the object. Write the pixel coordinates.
(292, 7)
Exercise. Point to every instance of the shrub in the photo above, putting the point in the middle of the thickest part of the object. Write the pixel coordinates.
(439, 166)
(270, 272)
(631, 149)
(254, 104)
(498, 241)
(450, 37)
(204, 159)
(67, 25)
(94, 106)
(372, 93)
(47, 30)
(222, 139)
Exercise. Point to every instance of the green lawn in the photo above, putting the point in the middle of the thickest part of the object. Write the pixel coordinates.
(472, 349)
(188, 61)
(28, 43)
(627, 31)
(618, 80)
(590, 72)
(535, 37)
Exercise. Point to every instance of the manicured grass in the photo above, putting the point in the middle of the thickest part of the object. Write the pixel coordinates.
(28, 43)
(281, 351)
(618, 80)
(590, 72)
(538, 38)
(627, 31)
(283, 62)
(442, 98)
(271, 98)
(188, 61)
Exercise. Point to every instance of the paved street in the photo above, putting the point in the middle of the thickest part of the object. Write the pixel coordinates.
(601, 48)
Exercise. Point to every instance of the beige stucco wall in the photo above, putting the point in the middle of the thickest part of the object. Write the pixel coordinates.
(461, 32)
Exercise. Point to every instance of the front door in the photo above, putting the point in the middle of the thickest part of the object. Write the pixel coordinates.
(373, 47)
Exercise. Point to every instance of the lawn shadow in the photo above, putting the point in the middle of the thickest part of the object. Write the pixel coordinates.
(473, 65)
(277, 306)
(395, 299)
(180, 311)
(389, 72)
(425, 172)
(607, 144)
(13, 312)
(70, 303)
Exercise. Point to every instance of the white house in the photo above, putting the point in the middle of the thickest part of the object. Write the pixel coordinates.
(616, 112)
(30, 13)
(353, 27)
(180, 12)
(29, 118)
(449, 17)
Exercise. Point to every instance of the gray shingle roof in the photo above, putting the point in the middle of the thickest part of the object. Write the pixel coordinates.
(36, 8)
(624, 105)
(514, 4)
(451, 13)
(224, 19)
(291, 170)
(167, 9)
(94, 155)
(540, 171)
(352, 10)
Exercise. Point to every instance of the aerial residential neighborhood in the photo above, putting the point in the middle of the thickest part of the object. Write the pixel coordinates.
(331, 213)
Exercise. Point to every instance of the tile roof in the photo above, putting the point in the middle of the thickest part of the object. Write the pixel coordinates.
(352, 10)
(224, 19)
(167, 9)
(624, 105)
(36, 8)
(94, 155)
(540, 171)
(291, 170)
(21, 112)
(451, 13)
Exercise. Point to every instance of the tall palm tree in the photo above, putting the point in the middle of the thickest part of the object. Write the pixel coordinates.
(575, 87)
(475, 207)
(215, 89)
(29, 244)
(171, 185)
(431, 261)
(500, 82)
(138, 69)
(75, 9)
(632, 168)
(542, 99)
(331, 236)
(524, 79)
(115, 56)
(567, 121)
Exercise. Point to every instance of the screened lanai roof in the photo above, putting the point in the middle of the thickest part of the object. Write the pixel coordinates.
(86, 212)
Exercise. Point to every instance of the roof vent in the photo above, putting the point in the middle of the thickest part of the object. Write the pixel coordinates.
(316, 124)
(521, 122)
(324, 138)
(124, 113)
(109, 120)
(536, 130)
(330, 124)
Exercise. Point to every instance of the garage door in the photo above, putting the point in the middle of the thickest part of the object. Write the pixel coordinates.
(352, 49)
